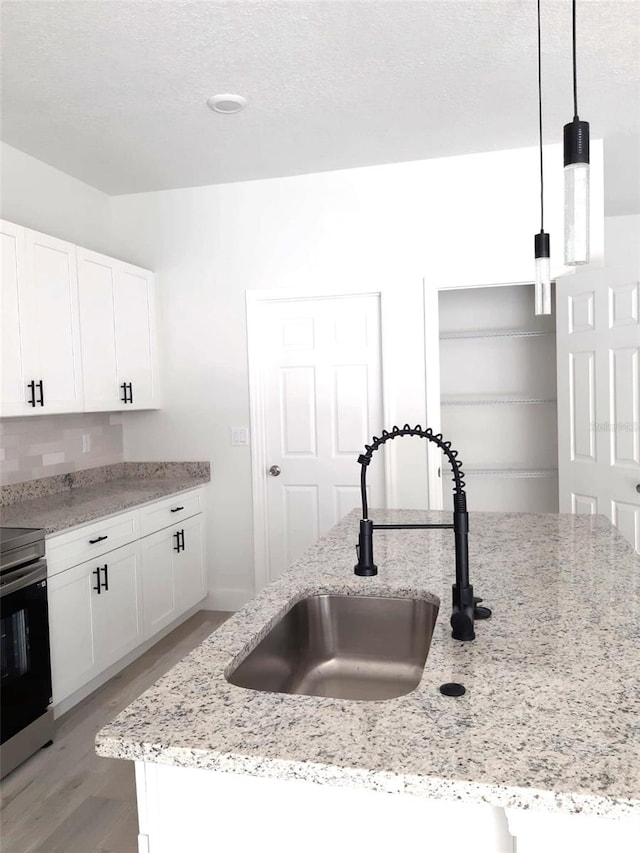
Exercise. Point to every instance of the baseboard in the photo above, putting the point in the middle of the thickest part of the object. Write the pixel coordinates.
(227, 599)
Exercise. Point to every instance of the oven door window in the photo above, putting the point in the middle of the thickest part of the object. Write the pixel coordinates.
(26, 676)
(15, 646)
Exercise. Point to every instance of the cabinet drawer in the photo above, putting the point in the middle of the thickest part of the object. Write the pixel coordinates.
(91, 540)
(170, 511)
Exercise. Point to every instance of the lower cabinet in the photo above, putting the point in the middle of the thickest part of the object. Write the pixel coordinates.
(95, 617)
(173, 573)
(106, 606)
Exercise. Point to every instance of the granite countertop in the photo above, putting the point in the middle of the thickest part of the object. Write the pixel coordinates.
(551, 716)
(97, 493)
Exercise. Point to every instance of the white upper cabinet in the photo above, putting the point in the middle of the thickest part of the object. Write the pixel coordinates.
(51, 324)
(41, 370)
(117, 322)
(13, 385)
(135, 339)
(78, 329)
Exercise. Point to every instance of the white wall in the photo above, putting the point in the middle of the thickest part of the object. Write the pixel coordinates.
(456, 222)
(38, 196)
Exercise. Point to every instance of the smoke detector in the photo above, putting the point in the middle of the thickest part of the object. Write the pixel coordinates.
(227, 104)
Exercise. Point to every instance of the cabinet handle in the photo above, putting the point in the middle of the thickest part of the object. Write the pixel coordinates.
(41, 387)
(105, 569)
(98, 539)
(97, 588)
(177, 509)
(130, 392)
(124, 398)
(179, 546)
(32, 387)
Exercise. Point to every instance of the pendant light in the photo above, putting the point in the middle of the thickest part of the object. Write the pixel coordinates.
(542, 243)
(576, 177)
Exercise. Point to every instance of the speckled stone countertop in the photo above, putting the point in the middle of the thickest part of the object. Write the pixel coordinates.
(551, 716)
(95, 494)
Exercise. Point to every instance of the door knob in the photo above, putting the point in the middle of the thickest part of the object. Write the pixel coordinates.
(275, 471)
(638, 488)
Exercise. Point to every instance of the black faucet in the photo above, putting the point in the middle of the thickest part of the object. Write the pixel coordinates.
(465, 609)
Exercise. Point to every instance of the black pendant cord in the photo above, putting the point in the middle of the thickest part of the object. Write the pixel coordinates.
(575, 71)
(540, 122)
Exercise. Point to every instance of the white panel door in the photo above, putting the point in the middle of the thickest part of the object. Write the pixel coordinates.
(322, 386)
(97, 333)
(135, 339)
(53, 322)
(18, 366)
(598, 339)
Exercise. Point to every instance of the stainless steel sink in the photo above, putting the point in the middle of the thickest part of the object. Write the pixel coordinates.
(344, 646)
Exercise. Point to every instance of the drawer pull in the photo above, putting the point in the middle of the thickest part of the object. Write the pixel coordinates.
(99, 539)
(177, 509)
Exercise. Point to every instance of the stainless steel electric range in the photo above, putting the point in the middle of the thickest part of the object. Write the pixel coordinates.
(27, 719)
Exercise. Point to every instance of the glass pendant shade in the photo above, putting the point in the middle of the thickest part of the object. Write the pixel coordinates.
(576, 192)
(543, 274)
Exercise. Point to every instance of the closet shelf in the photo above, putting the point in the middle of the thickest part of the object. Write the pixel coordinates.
(497, 400)
(494, 333)
(512, 473)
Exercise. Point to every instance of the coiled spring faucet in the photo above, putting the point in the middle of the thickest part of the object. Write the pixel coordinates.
(465, 609)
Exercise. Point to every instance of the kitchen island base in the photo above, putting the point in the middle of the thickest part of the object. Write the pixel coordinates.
(191, 809)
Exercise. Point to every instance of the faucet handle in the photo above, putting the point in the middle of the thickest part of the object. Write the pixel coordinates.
(480, 612)
(365, 567)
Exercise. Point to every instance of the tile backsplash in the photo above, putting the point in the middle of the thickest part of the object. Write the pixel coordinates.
(42, 446)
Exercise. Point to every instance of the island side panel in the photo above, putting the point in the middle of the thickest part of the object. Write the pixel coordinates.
(560, 833)
(205, 811)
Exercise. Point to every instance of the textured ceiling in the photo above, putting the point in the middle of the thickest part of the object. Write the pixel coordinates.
(114, 93)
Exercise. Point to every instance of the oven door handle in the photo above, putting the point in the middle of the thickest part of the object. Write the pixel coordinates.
(20, 578)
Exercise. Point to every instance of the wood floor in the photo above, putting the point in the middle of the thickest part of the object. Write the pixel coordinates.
(65, 799)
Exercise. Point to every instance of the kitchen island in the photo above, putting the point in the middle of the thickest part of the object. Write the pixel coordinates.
(544, 745)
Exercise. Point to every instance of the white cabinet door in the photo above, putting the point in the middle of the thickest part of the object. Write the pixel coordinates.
(117, 323)
(189, 564)
(52, 322)
(160, 607)
(17, 364)
(117, 610)
(97, 333)
(73, 658)
(95, 617)
(133, 299)
(173, 571)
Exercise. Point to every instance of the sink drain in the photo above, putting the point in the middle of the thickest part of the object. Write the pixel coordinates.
(452, 688)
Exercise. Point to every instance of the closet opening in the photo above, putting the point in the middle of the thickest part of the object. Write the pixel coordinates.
(498, 398)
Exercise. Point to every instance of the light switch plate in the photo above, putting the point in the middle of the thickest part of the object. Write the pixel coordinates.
(239, 436)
